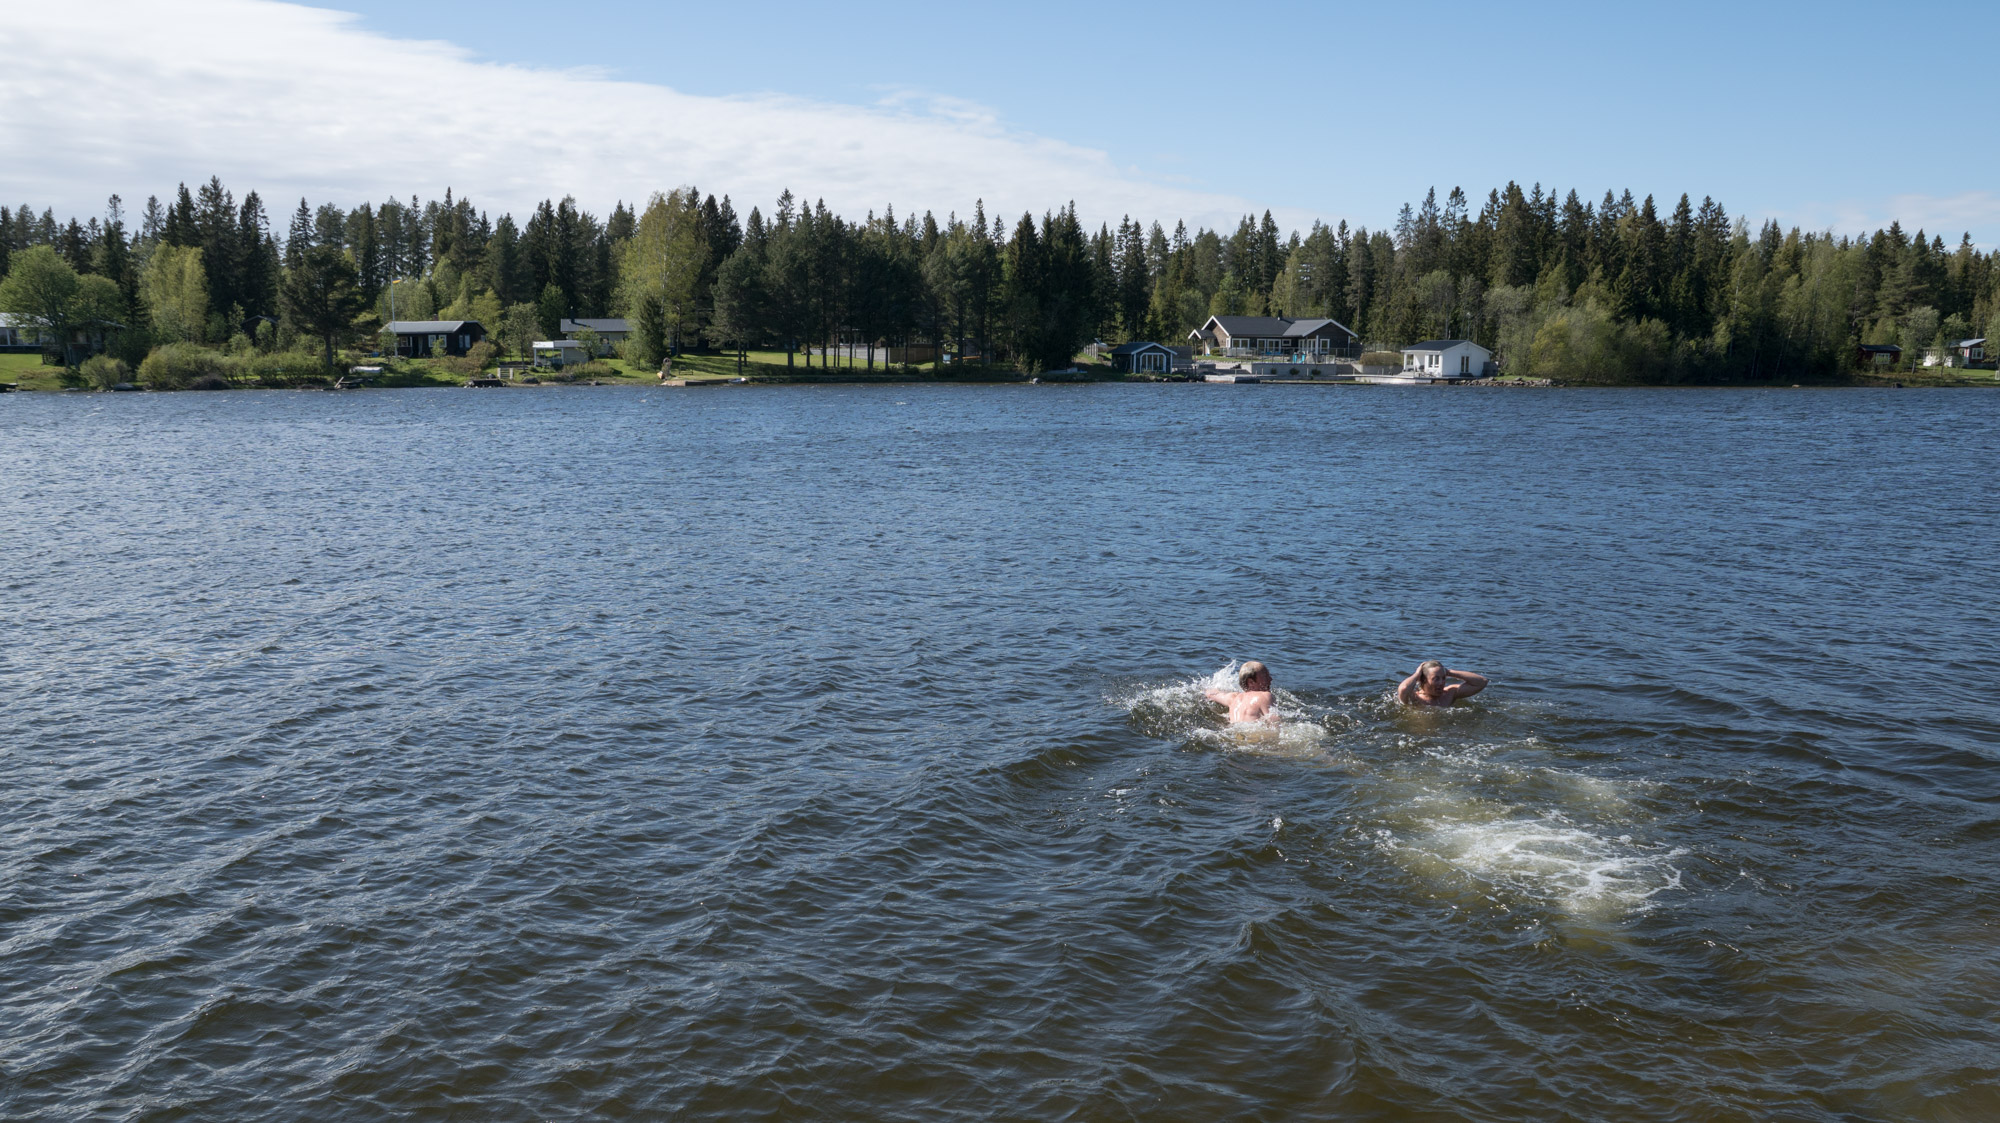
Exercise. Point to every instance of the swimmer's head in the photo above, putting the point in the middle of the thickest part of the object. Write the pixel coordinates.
(1430, 673)
(1254, 676)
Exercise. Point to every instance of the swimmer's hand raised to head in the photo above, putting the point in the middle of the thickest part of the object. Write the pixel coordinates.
(1431, 684)
(1253, 702)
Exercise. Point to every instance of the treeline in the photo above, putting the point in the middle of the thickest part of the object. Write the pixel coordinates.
(1555, 286)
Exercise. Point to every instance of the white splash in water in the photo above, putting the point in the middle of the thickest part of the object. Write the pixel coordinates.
(1548, 859)
(1182, 710)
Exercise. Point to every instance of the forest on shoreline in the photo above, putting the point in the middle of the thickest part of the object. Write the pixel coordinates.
(1610, 291)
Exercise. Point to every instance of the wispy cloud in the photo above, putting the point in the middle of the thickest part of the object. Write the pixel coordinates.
(1945, 216)
(135, 95)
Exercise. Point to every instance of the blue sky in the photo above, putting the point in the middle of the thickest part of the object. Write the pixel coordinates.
(1829, 115)
(1819, 112)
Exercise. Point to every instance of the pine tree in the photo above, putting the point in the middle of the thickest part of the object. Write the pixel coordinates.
(299, 237)
(321, 297)
(215, 226)
(113, 254)
(258, 276)
(74, 245)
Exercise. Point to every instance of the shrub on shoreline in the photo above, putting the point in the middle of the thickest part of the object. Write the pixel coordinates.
(285, 368)
(103, 372)
(178, 366)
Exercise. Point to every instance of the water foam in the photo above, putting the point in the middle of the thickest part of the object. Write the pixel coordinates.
(1182, 710)
(1502, 819)
(1547, 859)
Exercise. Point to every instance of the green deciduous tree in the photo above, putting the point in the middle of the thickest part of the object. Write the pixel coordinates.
(665, 258)
(174, 289)
(40, 292)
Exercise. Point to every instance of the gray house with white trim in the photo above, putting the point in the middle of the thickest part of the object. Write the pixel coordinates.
(1250, 336)
(610, 332)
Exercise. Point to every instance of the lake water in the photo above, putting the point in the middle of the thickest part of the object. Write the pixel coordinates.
(810, 752)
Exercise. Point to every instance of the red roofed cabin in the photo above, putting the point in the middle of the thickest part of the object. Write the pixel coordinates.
(1879, 354)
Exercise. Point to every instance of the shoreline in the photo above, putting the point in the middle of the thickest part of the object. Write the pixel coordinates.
(706, 370)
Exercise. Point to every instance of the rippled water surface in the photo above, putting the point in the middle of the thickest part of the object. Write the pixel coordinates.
(839, 753)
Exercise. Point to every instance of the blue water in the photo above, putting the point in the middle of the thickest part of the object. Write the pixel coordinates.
(838, 752)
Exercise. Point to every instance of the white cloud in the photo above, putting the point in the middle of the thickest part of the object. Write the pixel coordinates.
(134, 96)
(1944, 216)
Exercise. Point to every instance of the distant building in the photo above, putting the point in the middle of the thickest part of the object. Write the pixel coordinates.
(422, 339)
(17, 335)
(1250, 336)
(609, 332)
(1447, 358)
(1878, 354)
(1144, 358)
(559, 353)
(1956, 353)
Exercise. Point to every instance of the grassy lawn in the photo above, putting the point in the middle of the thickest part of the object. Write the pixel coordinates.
(770, 366)
(759, 366)
(1928, 376)
(30, 373)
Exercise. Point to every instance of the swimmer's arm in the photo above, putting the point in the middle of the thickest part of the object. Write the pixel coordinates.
(1407, 692)
(1222, 697)
(1468, 684)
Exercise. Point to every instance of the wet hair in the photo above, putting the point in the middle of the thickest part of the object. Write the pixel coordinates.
(1250, 671)
(1427, 667)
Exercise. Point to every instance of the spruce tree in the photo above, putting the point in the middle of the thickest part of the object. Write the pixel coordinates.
(299, 237)
(320, 296)
(113, 254)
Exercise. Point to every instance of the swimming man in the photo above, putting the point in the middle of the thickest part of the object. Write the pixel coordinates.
(1431, 685)
(1253, 702)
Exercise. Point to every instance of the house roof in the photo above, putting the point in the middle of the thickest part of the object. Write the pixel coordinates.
(1273, 327)
(1438, 345)
(1970, 342)
(595, 325)
(429, 327)
(1302, 328)
(1135, 348)
(1881, 348)
(1263, 326)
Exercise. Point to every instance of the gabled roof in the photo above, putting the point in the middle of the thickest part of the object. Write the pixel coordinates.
(1136, 347)
(1302, 328)
(1881, 348)
(1273, 327)
(594, 325)
(1267, 327)
(429, 327)
(1970, 342)
(1438, 345)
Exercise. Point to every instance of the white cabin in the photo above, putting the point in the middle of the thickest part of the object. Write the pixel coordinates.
(1446, 358)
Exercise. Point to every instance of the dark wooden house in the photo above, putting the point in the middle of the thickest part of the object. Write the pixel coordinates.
(423, 339)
